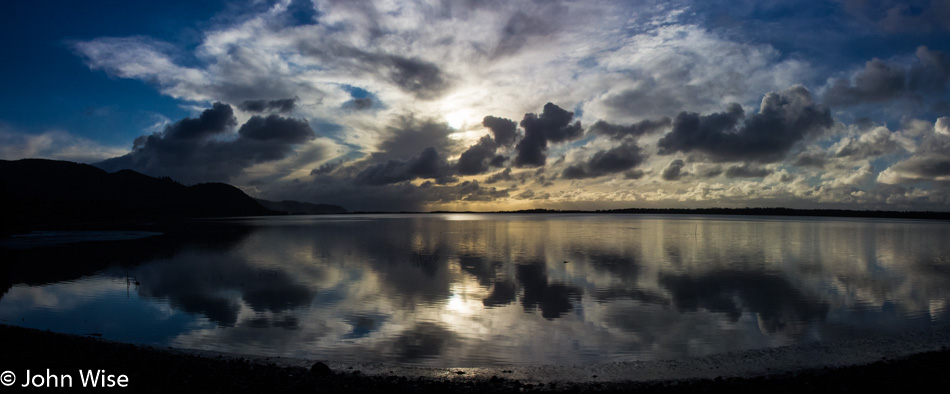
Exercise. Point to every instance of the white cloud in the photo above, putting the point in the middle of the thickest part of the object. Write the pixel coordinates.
(942, 126)
(58, 145)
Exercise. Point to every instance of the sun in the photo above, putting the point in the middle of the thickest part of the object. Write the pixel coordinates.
(459, 120)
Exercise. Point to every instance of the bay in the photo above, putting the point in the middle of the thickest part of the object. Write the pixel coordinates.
(472, 290)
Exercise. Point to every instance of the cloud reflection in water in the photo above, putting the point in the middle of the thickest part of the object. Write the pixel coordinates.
(502, 289)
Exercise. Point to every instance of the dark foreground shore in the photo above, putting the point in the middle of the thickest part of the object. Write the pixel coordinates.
(161, 370)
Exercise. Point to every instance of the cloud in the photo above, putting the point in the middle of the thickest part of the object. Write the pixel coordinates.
(773, 299)
(554, 299)
(931, 73)
(942, 126)
(58, 145)
(784, 119)
(930, 161)
(617, 132)
(478, 158)
(931, 166)
(145, 59)
(553, 125)
(386, 80)
(878, 81)
(747, 171)
(429, 164)
(811, 159)
(618, 159)
(216, 120)
(203, 149)
(360, 103)
(634, 174)
(870, 144)
(279, 105)
(503, 129)
(500, 176)
(674, 171)
(395, 196)
(420, 78)
(407, 135)
(277, 128)
(916, 16)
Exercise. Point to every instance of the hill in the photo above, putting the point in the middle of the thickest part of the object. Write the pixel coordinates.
(38, 192)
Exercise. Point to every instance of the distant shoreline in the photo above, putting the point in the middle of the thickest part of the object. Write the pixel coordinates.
(844, 213)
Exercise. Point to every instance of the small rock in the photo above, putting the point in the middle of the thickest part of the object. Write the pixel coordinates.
(320, 369)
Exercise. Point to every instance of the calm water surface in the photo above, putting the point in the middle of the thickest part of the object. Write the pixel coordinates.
(484, 289)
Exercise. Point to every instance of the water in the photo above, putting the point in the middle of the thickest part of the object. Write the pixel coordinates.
(487, 289)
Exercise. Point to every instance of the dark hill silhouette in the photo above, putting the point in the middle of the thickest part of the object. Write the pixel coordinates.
(301, 208)
(37, 192)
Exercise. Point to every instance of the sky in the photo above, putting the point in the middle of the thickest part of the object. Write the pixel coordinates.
(494, 105)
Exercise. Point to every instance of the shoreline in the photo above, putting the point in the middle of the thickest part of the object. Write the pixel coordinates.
(781, 212)
(161, 369)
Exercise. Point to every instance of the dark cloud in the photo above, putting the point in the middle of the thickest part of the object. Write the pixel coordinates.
(422, 79)
(326, 168)
(927, 166)
(280, 105)
(277, 128)
(190, 151)
(277, 292)
(633, 174)
(343, 187)
(909, 16)
(522, 27)
(503, 129)
(498, 161)
(931, 73)
(429, 165)
(403, 139)
(783, 119)
(815, 160)
(747, 171)
(525, 195)
(554, 299)
(425, 341)
(469, 191)
(212, 121)
(775, 301)
(674, 171)
(501, 176)
(878, 81)
(362, 103)
(711, 172)
(930, 162)
(478, 158)
(553, 125)
(650, 97)
(502, 293)
(617, 159)
(618, 132)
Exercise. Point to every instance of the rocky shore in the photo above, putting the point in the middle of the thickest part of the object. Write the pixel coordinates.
(150, 369)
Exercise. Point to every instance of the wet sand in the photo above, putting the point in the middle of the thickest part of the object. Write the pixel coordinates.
(152, 369)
